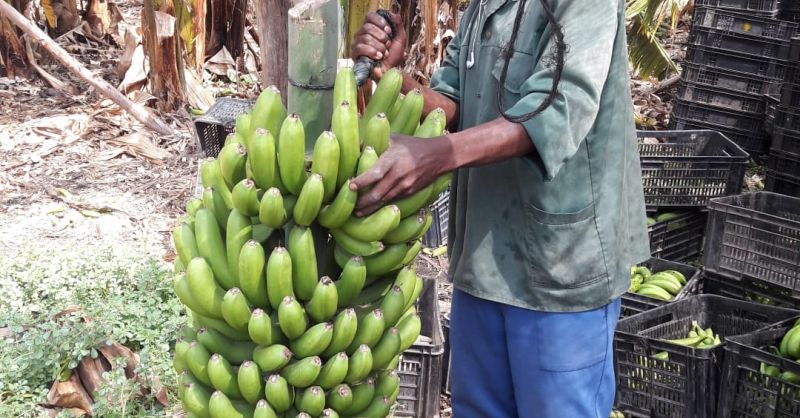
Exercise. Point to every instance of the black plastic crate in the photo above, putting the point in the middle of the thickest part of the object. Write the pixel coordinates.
(689, 167)
(420, 367)
(742, 23)
(756, 46)
(726, 117)
(730, 80)
(782, 183)
(745, 391)
(736, 61)
(769, 116)
(742, 102)
(686, 384)
(783, 162)
(763, 6)
(447, 354)
(437, 234)
(755, 235)
(633, 303)
(750, 290)
(786, 139)
(790, 95)
(754, 142)
(679, 238)
(220, 121)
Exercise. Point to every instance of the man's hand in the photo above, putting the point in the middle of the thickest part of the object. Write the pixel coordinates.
(372, 41)
(408, 165)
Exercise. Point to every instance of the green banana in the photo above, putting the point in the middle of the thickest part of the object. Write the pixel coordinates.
(392, 115)
(671, 286)
(654, 292)
(344, 89)
(249, 381)
(411, 253)
(311, 401)
(292, 318)
(260, 328)
(197, 361)
(179, 360)
(377, 133)
(178, 266)
(220, 326)
(344, 124)
(380, 406)
(220, 406)
(196, 398)
(261, 155)
(409, 329)
(325, 162)
(324, 301)
(236, 310)
(302, 373)
(192, 205)
(388, 260)
(385, 94)
(204, 290)
(213, 201)
(329, 413)
(354, 246)
(212, 249)
(362, 396)
(271, 211)
(313, 342)
(222, 376)
(304, 262)
(409, 114)
(291, 154)
(368, 159)
(238, 232)
(333, 371)
(211, 176)
(433, 125)
(245, 197)
(359, 365)
(406, 280)
(419, 286)
(410, 228)
(279, 276)
(787, 338)
(676, 274)
(278, 393)
(236, 353)
(374, 291)
(251, 274)
(185, 243)
(393, 306)
(309, 201)
(338, 212)
(272, 358)
(394, 363)
(387, 383)
(375, 226)
(344, 330)
(386, 349)
(232, 158)
(351, 281)
(243, 128)
(412, 204)
(264, 410)
(340, 398)
(689, 342)
(369, 332)
(268, 111)
(180, 285)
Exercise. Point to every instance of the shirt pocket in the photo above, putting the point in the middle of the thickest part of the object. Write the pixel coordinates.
(564, 250)
(520, 68)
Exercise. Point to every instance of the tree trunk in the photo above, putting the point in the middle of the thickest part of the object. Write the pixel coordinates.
(163, 49)
(12, 56)
(217, 26)
(99, 16)
(272, 17)
(314, 32)
(234, 40)
(199, 23)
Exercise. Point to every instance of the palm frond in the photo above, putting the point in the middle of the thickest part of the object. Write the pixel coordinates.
(648, 56)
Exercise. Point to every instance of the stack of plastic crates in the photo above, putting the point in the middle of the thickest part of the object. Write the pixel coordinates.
(783, 168)
(789, 10)
(738, 53)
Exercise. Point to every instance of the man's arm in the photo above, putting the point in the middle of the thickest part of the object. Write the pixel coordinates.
(433, 99)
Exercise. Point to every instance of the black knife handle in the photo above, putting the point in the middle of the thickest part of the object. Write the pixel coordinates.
(364, 65)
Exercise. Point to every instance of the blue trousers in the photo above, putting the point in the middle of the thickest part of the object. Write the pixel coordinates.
(510, 362)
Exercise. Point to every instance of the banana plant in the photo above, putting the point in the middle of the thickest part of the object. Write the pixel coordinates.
(647, 54)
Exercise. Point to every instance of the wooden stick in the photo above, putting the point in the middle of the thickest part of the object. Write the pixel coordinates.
(36, 35)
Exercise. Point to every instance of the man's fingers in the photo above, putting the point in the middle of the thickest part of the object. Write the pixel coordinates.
(365, 50)
(371, 41)
(376, 195)
(376, 32)
(368, 211)
(378, 21)
(369, 177)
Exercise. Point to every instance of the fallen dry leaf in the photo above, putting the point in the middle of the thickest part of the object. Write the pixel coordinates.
(140, 145)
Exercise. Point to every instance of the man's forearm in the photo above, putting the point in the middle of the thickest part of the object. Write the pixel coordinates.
(433, 100)
(487, 143)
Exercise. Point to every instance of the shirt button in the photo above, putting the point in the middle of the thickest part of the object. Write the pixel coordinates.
(487, 34)
(478, 95)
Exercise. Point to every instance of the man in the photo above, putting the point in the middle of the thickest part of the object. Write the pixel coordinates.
(547, 211)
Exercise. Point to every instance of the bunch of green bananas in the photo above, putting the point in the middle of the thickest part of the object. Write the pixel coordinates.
(662, 217)
(298, 307)
(663, 285)
(616, 414)
(790, 349)
(699, 338)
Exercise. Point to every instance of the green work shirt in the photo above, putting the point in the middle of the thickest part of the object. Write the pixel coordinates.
(557, 231)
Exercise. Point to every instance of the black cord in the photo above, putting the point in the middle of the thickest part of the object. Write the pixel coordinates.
(557, 32)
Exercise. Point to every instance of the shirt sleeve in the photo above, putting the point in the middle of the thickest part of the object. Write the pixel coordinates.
(590, 30)
(445, 79)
